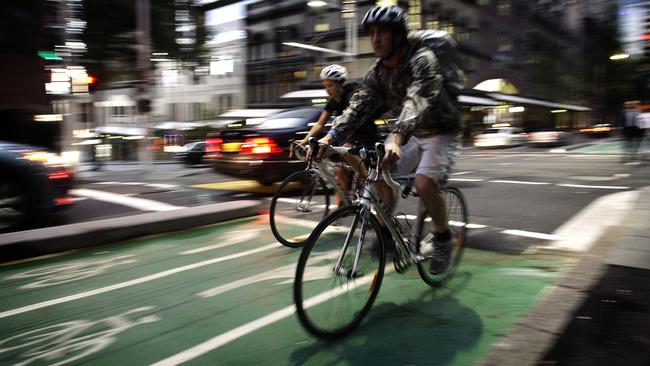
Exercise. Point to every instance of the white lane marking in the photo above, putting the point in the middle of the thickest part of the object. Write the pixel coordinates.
(139, 203)
(518, 182)
(465, 180)
(463, 173)
(68, 272)
(582, 230)
(236, 333)
(528, 272)
(161, 185)
(531, 234)
(590, 186)
(230, 238)
(137, 281)
(476, 226)
(154, 185)
(72, 340)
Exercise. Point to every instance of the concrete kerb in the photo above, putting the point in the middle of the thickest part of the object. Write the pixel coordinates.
(532, 337)
(37, 242)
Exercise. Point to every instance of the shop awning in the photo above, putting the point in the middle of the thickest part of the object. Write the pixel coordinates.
(531, 101)
(468, 99)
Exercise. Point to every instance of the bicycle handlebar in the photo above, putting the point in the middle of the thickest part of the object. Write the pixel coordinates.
(374, 155)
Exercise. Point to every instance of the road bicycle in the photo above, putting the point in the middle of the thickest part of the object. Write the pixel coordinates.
(339, 272)
(302, 196)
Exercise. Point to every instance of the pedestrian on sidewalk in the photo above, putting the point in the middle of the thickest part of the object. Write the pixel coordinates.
(632, 133)
(644, 125)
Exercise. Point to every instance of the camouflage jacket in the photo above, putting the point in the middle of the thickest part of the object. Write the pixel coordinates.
(413, 92)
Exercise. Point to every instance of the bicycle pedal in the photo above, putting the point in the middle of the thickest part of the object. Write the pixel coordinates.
(401, 266)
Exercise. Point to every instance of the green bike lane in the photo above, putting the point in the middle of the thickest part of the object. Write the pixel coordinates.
(222, 295)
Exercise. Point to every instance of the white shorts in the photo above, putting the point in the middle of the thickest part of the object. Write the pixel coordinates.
(430, 156)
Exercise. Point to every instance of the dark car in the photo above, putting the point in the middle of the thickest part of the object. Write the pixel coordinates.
(33, 183)
(261, 152)
(191, 153)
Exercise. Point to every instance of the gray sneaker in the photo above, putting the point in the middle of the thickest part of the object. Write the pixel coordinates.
(442, 256)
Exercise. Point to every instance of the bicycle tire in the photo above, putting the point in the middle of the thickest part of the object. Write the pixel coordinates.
(458, 218)
(330, 305)
(286, 233)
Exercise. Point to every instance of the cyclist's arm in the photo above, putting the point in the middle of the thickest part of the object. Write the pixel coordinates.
(316, 128)
(421, 94)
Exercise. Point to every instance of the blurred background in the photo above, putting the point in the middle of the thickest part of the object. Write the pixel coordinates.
(137, 79)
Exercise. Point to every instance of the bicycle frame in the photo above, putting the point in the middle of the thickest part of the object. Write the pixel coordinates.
(323, 168)
(367, 201)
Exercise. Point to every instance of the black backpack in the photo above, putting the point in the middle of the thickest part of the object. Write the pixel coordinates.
(445, 47)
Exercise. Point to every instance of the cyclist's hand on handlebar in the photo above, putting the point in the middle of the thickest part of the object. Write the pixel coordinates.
(322, 146)
(392, 154)
(294, 145)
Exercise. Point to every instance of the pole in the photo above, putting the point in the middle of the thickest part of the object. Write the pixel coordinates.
(349, 10)
(143, 37)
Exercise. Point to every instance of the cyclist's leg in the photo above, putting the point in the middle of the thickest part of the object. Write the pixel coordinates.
(407, 164)
(438, 156)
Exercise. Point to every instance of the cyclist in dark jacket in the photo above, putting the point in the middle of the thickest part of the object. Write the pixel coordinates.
(406, 81)
(334, 78)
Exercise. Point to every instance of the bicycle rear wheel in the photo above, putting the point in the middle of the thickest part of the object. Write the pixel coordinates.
(300, 202)
(330, 303)
(458, 219)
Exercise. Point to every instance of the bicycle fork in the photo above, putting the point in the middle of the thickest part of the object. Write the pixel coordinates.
(353, 272)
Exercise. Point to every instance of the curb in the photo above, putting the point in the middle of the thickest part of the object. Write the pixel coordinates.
(531, 338)
(37, 242)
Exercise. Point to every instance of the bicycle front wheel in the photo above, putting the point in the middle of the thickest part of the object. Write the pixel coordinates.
(458, 220)
(300, 202)
(333, 296)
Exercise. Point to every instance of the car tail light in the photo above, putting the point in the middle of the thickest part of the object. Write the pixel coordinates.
(213, 145)
(63, 201)
(260, 145)
(60, 174)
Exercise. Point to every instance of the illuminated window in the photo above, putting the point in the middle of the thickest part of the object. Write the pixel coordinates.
(321, 27)
(503, 7)
(433, 23)
(449, 28)
(415, 14)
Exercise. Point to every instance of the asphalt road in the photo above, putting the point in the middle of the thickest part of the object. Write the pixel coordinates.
(522, 188)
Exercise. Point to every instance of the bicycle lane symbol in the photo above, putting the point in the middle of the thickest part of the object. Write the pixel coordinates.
(69, 272)
(70, 341)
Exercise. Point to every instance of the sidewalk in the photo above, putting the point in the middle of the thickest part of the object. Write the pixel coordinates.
(599, 313)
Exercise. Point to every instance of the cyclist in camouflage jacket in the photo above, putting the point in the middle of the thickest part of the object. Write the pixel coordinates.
(406, 81)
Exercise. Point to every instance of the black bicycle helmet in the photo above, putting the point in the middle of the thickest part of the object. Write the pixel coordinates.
(392, 16)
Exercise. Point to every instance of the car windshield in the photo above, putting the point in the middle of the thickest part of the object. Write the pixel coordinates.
(492, 130)
(190, 146)
(290, 119)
